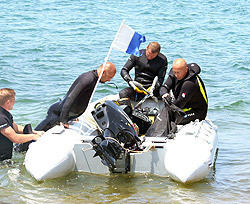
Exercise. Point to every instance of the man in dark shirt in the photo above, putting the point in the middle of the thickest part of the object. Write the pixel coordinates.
(77, 98)
(188, 89)
(150, 64)
(10, 132)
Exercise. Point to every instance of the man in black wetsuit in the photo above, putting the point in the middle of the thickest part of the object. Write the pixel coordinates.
(77, 98)
(75, 102)
(10, 132)
(188, 89)
(150, 64)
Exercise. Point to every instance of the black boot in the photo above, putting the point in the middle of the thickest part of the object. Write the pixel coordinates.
(22, 147)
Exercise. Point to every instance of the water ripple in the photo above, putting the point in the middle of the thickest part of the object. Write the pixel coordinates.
(47, 44)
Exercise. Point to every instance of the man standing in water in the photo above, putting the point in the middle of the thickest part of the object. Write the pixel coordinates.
(10, 132)
(150, 64)
(188, 89)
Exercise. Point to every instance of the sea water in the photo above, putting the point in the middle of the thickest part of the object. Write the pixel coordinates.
(46, 44)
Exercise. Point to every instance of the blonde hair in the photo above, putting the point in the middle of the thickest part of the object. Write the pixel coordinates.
(6, 94)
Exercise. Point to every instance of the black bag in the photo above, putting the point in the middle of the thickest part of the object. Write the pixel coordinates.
(166, 121)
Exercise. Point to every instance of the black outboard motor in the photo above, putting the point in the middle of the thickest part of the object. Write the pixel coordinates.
(115, 126)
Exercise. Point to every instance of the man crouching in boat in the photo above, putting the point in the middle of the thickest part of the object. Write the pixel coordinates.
(188, 89)
(76, 100)
(150, 64)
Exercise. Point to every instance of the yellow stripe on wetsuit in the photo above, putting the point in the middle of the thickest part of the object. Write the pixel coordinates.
(186, 109)
(202, 92)
(201, 89)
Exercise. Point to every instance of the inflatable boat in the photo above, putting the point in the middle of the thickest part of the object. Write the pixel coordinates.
(105, 140)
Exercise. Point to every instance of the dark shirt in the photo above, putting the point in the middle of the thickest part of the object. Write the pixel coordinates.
(187, 91)
(6, 146)
(146, 70)
(78, 96)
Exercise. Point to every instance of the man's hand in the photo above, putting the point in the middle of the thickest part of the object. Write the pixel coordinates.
(138, 90)
(66, 125)
(167, 98)
(37, 134)
(165, 95)
(40, 133)
(132, 85)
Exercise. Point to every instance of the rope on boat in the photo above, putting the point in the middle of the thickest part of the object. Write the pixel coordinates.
(128, 150)
(84, 150)
(150, 147)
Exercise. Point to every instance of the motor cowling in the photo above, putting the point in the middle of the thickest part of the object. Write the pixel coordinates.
(117, 133)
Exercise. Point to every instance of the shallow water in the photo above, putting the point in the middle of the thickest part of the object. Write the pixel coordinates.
(45, 45)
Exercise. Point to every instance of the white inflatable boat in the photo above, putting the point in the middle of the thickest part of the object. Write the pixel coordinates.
(188, 157)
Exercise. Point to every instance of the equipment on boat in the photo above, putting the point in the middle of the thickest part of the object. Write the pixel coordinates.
(167, 120)
(108, 136)
(117, 131)
(149, 93)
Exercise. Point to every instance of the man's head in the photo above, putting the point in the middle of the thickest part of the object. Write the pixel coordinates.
(108, 72)
(180, 68)
(152, 50)
(7, 98)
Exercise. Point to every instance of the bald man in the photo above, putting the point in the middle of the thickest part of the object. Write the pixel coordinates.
(75, 101)
(188, 89)
(77, 98)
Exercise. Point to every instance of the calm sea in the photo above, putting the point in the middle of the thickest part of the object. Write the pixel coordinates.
(46, 44)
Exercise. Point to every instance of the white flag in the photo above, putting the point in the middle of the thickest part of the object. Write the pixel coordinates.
(127, 40)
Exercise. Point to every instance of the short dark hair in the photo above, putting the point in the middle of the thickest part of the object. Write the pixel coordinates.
(154, 47)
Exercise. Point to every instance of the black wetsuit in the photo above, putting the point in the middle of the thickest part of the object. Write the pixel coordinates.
(145, 72)
(190, 94)
(6, 146)
(74, 103)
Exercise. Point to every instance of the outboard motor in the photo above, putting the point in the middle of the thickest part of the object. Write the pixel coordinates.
(117, 133)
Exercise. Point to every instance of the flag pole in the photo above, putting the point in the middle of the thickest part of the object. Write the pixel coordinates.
(99, 78)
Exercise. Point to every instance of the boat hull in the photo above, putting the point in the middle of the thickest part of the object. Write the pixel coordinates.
(50, 157)
(190, 157)
(186, 158)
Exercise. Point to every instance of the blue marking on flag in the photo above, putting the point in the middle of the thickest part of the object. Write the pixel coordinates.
(134, 44)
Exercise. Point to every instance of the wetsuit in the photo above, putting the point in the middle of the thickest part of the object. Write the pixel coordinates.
(74, 103)
(190, 94)
(145, 72)
(6, 146)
